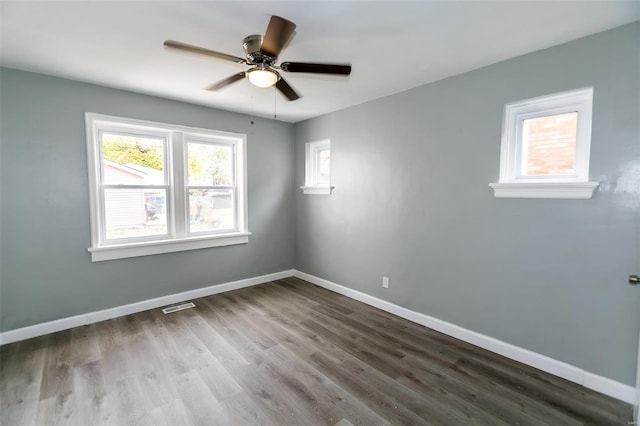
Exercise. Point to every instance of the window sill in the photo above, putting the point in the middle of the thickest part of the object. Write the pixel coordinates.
(569, 190)
(99, 254)
(317, 190)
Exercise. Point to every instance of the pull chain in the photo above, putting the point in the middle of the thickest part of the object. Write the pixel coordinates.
(275, 116)
(252, 107)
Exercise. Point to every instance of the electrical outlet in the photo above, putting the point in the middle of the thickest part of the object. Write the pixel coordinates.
(385, 282)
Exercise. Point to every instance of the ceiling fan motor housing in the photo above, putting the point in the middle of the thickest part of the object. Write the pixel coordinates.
(252, 45)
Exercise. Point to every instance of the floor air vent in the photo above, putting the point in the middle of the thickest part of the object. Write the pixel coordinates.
(176, 308)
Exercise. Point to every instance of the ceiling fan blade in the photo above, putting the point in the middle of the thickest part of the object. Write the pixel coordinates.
(202, 51)
(279, 32)
(339, 69)
(287, 90)
(227, 81)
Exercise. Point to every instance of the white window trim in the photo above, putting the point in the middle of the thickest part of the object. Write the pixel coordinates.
(122, 251)
(512, 184)
(317, 190)
(569, 190)
(311, 185)
(178, 238)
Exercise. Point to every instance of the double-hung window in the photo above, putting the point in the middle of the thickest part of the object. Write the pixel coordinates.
(158, 188)
(545, 147)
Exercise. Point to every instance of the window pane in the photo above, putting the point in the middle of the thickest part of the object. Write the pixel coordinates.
(550, 145)
(211, 210)
(324, 166)
(132, 160)
(210, 165)
(135, 212)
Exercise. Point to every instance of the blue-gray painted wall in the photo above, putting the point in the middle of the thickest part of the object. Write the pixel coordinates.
(46, 272)
(412, 203)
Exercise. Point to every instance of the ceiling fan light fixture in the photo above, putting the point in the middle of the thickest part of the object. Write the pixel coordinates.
(262, 77)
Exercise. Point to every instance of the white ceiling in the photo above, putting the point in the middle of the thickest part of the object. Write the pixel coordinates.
(392, 45)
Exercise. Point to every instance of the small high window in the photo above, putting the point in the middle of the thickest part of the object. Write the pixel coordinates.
(317, 168)
(158, 188)
(545, 147)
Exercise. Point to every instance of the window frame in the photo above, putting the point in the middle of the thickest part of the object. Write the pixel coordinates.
(178, 236)
(512, 182)
(140, 132)
(313, 185)
(216, 141)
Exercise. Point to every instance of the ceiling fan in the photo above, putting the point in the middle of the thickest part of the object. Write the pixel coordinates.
(262, 54)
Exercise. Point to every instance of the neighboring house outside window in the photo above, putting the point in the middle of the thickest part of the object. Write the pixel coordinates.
(545, 147)
(158, 188)
(317, 168)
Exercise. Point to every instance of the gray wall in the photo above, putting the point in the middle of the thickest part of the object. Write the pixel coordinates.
(46, 272)
(412, 202)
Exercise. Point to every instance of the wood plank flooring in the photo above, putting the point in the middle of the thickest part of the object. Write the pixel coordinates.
(281, 353)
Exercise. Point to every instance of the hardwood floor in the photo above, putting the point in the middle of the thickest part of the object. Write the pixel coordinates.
(282, 353)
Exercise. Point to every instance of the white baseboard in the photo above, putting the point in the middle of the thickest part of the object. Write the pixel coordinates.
(558, 368)
(118, 311)
(609, 387)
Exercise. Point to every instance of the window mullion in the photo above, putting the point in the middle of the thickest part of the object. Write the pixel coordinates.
(179, 190)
